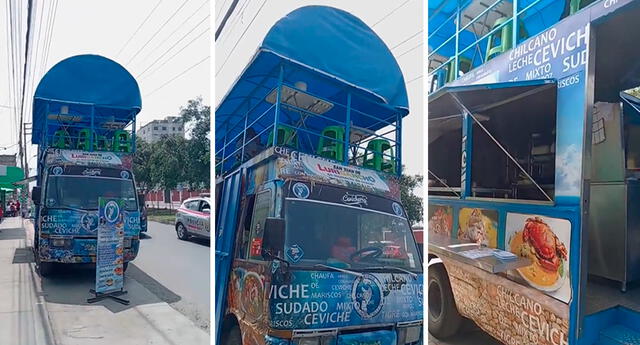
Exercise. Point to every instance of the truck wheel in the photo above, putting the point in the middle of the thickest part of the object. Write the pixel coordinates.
(232, 337)
(45, 269)
(125, 266)
(182, 232)
(444, 319)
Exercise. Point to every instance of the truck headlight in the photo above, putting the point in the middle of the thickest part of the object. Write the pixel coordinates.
(61, 242)
(409, 335)
(322, 340)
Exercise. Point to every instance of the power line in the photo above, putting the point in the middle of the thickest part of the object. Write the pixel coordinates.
(175, 44)
(239, 39)
(389, 14)
(414, 79)
(410, 37)
(139, 27)
(51, 30)
(410, 50)
(221, 7)
(176, 53)
(236, 19)
(178, 76)
(174, 31)
(232, 7)
(158, 31)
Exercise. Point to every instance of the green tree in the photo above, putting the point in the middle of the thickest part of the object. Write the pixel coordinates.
(167, 162)
(141, 166)
(197, 118)
(412, 202)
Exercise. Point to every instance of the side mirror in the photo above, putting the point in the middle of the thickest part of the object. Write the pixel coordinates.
(141, 203)
(273, 237)
(35, 195)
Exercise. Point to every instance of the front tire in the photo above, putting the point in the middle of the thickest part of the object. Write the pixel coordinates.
(444, 318)
(232, 337)
(182, 232)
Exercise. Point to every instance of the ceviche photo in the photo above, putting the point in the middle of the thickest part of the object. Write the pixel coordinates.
(545, 241)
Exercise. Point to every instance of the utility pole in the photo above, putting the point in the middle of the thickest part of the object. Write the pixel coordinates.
(225, 18)
(23, 144)
(27, 130)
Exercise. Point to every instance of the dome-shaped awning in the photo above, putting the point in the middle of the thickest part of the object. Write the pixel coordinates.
(331, 51)
(86, 80)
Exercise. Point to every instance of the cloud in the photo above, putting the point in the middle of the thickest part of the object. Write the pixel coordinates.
(568, 171)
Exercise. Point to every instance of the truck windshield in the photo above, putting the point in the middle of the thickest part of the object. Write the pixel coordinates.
(328, 233)
(82, 192)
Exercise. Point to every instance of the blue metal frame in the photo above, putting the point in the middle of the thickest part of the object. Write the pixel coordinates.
(278, 113)
(515, 16)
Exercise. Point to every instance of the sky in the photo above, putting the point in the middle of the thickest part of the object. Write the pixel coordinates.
(174, 38)
(399, 23)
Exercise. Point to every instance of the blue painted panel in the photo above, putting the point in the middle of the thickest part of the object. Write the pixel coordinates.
(224, 239)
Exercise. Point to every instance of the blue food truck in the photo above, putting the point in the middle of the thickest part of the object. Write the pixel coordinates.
(82, 109)
(312, 243)
(533, 163)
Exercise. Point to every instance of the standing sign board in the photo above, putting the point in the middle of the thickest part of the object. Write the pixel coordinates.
(110, 248)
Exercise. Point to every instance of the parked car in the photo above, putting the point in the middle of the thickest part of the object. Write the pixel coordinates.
(193, 218)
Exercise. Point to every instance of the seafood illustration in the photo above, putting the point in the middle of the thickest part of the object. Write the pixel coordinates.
(537, 241)
(441, 221)
(545, 244)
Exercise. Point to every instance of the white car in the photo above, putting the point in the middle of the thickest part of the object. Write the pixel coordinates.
(193, 218)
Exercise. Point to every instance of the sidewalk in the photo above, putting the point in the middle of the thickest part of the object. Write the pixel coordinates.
(54, 311)
(23, 316)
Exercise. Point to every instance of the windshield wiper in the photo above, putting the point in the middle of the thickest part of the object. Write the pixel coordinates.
(340, 270)
(413, 275)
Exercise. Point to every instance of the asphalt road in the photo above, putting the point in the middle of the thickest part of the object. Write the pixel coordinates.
(176, 271)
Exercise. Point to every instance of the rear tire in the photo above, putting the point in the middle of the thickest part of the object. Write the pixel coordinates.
(232, 337)
(45, 269)
(444, 318)
(182, 232)
(124, 267)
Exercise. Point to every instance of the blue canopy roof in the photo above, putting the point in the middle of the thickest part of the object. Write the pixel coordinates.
(82, 81)
(332, 51)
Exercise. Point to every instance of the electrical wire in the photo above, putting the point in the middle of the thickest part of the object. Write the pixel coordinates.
(158, 31)
(239, 39)
(175, 44)
(139, 27)
(178, 76)
(407, 39)
(410, 50)
(176, 53)
(174, 31)
(390, 13)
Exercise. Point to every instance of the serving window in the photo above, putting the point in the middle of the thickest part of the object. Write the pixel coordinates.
(512, 147)
(513, 154)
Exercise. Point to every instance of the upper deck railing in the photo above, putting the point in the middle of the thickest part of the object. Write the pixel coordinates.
(464, 34)
(336, 128)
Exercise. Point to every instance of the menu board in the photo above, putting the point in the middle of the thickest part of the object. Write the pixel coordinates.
(110, 246)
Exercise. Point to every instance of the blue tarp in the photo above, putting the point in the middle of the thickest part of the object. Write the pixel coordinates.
(332, 52)
(82, 80)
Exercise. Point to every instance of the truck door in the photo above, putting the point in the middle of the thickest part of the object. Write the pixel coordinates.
(224, 240)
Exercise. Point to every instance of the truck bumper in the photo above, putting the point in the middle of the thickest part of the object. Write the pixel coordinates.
(79, 250)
